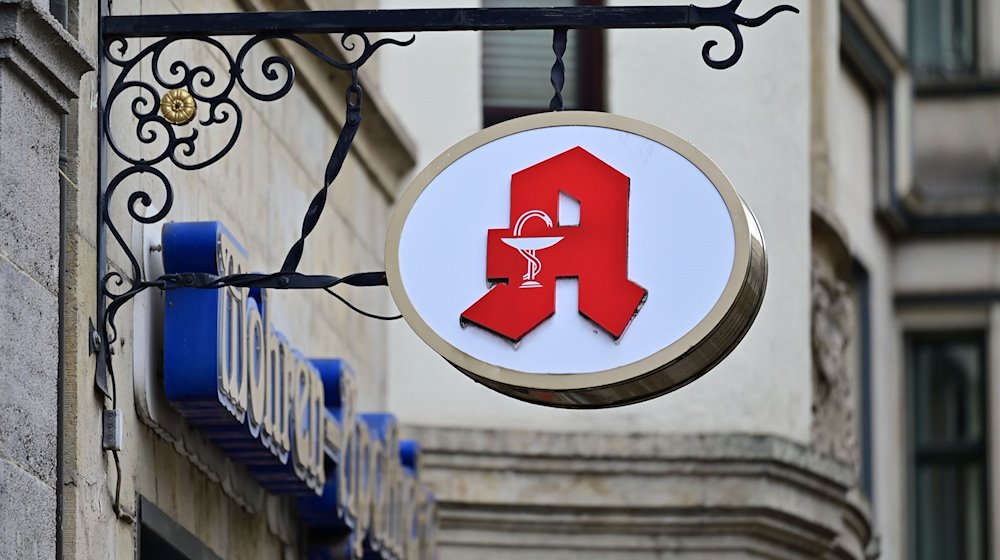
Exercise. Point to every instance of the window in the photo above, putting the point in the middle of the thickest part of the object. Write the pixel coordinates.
(517, 66)
(943, 37)
(948, 434)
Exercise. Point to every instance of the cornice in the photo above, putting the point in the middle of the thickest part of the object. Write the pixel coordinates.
(743, 493)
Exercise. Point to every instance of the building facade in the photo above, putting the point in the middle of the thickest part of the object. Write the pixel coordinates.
(147, 470)
(855, 420)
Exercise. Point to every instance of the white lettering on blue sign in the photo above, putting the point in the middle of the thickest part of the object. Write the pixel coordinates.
(289, 420)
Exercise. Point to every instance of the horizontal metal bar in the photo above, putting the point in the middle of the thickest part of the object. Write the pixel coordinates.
(414, 20)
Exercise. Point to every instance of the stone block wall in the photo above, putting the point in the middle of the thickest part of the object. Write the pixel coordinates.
(40, 68)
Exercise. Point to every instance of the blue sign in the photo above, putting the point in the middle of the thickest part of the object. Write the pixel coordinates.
(291, 421)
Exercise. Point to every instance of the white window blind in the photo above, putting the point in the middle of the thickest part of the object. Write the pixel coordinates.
(517, 64)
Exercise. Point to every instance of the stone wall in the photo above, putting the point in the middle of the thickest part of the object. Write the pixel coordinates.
(40, 68)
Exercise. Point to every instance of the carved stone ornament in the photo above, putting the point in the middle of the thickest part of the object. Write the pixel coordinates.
(834, 431)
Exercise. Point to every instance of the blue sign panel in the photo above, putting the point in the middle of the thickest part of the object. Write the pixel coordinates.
(291, 421)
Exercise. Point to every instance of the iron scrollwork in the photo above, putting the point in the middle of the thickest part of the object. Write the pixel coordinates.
(217, 99)
(726, 17)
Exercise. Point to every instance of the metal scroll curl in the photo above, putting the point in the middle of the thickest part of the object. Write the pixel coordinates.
(726, 17)
(212, 88)
(115, 286)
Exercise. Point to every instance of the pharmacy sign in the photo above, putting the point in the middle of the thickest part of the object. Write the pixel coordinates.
(576, 259)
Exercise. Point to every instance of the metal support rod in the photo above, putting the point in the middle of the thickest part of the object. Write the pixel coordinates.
(413, 20)
(347, 132)
(558, 73)
(101, 375)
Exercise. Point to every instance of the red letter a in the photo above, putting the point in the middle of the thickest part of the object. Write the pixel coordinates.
(527, 257)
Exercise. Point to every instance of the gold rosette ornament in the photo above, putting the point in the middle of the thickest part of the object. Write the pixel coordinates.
(178, 106)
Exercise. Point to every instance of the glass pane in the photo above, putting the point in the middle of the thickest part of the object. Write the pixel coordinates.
(948, 386)
(943, 36)
(951, 512)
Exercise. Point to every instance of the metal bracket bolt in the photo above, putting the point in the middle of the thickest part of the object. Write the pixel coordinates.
(95, 339)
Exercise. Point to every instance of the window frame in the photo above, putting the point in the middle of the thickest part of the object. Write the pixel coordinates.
(930, 79)
(166, 538)
(866, 412)
(947, 454)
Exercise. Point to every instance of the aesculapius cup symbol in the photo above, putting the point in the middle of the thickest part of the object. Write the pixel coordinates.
(528, 245)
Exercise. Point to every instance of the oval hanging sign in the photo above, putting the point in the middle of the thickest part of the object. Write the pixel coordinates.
(576, 259)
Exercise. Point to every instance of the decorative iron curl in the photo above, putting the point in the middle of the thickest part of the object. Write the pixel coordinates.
(726, 17)
(116, 288)
(214, 93)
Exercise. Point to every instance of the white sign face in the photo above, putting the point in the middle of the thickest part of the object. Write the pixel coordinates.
(576, 259)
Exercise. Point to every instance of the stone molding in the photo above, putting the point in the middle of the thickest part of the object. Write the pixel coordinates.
(639, 496)
(36, 46)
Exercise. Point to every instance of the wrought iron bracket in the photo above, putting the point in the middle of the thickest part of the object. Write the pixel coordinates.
(209, 98)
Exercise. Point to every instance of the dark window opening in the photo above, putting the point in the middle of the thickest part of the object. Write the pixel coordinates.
(948, 431)
(162, 538)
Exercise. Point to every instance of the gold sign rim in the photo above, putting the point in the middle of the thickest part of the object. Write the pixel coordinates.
(668, 369)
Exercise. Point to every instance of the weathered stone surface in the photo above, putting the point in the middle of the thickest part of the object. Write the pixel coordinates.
(506, 494)
(27, 515)
(29, 180)
(833, 428)
(40, 69)
(28, 344)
